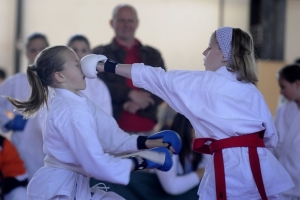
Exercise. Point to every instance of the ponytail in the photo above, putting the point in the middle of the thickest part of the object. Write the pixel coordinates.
(38, 96)
(243, 58)
(40, 76)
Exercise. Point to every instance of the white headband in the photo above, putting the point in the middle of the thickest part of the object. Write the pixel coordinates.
(224, 38)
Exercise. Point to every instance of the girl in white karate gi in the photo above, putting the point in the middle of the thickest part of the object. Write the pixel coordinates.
(226, 110)
(287, 122)
(78, 135)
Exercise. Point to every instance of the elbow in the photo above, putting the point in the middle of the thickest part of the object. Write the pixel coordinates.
(171, 190)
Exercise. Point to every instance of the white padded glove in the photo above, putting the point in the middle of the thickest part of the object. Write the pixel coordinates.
(89, 63)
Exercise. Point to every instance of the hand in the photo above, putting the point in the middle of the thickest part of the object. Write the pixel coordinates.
(100, 67)
(158, 143)
(142, 98)
(200, 172)
(16, 124)
(159, 158)
(89, 65)
(171, 138)
(131, 107)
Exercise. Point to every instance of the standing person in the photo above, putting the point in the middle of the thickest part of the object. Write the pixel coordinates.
(134, 109)
(287, 123)
(188, 166)
(78, 135)
(81, 46)
(27, 134)
(230, 116)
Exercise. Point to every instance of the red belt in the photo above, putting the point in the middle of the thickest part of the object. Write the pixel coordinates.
(252, 141)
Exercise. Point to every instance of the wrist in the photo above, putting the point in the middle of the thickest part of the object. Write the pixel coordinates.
(139, 162)
(141, 142)
(110, 66)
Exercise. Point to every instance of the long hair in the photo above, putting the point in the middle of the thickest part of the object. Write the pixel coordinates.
(290, 73)
(184, 128)
(40, 75)
(243, 58)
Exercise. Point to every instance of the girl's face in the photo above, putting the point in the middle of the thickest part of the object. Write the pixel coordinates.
(213, 55)
(81, 48)
(34, 48)
(74, 79)
(291, 91)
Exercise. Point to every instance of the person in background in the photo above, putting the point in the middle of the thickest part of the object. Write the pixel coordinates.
(287, 120)
(13, 177)
(188, 166)
(96, 89)
(27, 134)
(134, 109)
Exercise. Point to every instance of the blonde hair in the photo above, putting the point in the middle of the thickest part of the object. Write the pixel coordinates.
(40, 75)
(243, 58)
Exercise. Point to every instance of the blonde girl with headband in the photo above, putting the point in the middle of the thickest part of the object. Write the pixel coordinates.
(79, 136)
(230, 116)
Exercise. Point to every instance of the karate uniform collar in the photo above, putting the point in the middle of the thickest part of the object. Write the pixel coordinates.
(224, 72)
(66, 93)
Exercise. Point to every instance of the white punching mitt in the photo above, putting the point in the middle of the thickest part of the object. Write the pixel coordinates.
(89, 63)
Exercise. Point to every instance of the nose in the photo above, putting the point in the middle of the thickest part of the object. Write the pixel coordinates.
(204, 52)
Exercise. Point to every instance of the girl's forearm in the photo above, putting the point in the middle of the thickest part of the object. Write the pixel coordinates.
(124, 70)
(121, 69)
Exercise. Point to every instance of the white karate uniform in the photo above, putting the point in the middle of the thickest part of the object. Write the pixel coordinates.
(175, 181)
(80, 133)
(97, 91)
(287, 122)
(219, 106)
(29, 142)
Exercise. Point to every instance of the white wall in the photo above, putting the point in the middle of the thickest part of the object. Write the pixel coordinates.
(292, 31)
(180, 29)
(7, 34)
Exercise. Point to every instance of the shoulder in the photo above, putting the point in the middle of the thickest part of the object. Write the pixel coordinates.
(150, 49)
(16, 78)
(287, 106)
(102, 48)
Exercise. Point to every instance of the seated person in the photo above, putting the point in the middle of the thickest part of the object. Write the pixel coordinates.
(188, 166)
(13, 175)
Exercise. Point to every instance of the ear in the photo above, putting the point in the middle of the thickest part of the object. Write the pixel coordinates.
(297, 82)
(224, 59)
(111, 22)
(59, 77)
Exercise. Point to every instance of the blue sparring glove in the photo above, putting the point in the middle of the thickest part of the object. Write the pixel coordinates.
(16, 124)
(170, 137)
(159, 158)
